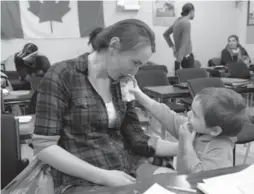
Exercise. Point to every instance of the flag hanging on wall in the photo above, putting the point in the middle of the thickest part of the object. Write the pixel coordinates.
(50, 19)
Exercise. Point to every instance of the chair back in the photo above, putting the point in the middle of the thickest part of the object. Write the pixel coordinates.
(214, 62)
(151, 66)
(35, 81)
(197, 64)
(196, 85)
(2, 102)
(10, 152)
(246, 135)
(238, 70)
(190, 73)
(151, 78)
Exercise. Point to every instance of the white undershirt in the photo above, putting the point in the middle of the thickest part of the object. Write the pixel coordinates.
(111, 114)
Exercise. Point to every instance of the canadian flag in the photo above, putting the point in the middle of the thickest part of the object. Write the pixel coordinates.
(50, 19)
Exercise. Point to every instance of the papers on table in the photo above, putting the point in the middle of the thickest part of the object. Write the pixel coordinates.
(237, 183)
(24, 119)
(235, 82)
(157, 189)
(20, 92)
(5, 91)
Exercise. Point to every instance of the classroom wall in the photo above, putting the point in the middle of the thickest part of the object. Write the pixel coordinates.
(245, 32)
(214, 21)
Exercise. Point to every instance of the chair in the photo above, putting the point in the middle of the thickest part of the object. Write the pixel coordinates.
(156, 78)
(15, 81)
(151, 66)
(197, 64)
(196, 85)
(11, 163)
(151, 78)
(238, 70)
(186, 74)
(216, 61)
(190, 73)
(245, 136)
(2, 102)
(35, 81)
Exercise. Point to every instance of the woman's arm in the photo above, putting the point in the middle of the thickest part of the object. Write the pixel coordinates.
(69, 164)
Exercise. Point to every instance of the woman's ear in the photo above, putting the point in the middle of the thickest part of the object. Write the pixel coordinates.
(115, 43)
(215, 131)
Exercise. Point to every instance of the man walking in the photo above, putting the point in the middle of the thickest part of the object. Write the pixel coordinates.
(181, 31)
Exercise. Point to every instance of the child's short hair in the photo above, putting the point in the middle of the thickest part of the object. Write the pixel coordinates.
(223, 107)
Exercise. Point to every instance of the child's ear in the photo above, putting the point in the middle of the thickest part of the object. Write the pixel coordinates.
(215, 131)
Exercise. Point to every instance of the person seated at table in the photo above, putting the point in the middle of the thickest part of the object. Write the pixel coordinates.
(7, 88)
(207, 135)
(4, 80)
(29, 62)
(234, 52)
(83, 128)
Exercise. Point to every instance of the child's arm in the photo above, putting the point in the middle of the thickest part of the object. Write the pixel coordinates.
(160, 111)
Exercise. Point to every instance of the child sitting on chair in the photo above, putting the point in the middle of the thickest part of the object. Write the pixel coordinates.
(208, 134)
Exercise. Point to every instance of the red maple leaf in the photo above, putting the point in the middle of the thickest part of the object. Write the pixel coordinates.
(49, 10)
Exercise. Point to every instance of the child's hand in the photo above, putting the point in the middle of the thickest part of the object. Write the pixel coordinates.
(135, 88)
(185, 134)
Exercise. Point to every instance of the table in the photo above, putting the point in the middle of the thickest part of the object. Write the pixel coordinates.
(18, 97)
(163, 92)
(165, 180)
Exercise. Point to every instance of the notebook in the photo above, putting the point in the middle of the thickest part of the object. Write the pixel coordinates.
(237, 183)
(157, 189)
(183, 85)
(235, 82)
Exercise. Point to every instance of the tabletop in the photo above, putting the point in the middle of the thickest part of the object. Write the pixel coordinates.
(166, 92)
(168, 181)
(175, 92)
(18, 96)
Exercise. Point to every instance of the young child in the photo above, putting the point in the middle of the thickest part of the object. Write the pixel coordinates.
(207, 135)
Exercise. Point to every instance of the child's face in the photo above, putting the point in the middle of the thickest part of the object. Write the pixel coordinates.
(196, 118)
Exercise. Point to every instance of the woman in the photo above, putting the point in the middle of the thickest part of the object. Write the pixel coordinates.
(83, 128)
(234, 52)
(28, 62)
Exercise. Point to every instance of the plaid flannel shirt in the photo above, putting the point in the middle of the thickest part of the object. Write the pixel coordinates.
(69, 107)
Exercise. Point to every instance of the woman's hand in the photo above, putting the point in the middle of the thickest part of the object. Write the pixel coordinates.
(115, 178)
(246, 60)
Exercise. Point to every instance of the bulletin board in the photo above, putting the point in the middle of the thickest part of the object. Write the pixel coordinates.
(250, 23)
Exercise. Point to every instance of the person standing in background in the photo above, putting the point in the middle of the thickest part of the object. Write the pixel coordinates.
(181, 30)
